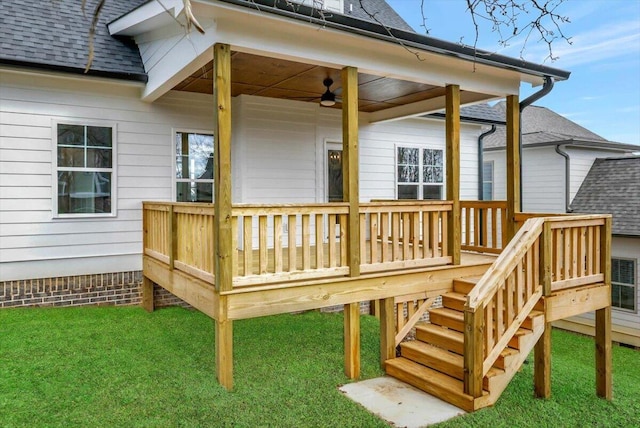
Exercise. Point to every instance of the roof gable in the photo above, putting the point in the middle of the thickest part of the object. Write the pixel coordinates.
(613, 186)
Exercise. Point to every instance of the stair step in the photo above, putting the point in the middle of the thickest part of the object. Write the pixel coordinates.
(453, 300)
(450, 340)
(532, 319)
(464, 285)
(436, 358)
(506, 357)
(442, 360)
(515, 340)
(447, 318)
(431, 381)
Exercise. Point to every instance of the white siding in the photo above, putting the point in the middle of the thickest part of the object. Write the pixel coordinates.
(543, 175)
(278, 156)
(34, 244)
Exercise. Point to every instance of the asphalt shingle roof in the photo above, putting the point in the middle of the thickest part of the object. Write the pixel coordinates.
(382, 12)
(479, 113)
(541, 125)
(54, 34)
(613, 186)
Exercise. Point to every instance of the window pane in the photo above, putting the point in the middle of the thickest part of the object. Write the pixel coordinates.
(408, 174)
(71, 157)
(432, 157)
(84, 192)
(70, 135)
(432, 174)
(407, 192)
(487, 171)
(98, 136)
(184, 192)
(204, 192)
(431, 192)
(615, 295)
(99, 158)
(487, 191)
(407, 156)
(627, 297)
(194, 162)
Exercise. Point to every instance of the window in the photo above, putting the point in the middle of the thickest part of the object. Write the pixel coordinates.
(84, 170)
(487, 181)
(623, 284)
(194, 167)
(419, 173)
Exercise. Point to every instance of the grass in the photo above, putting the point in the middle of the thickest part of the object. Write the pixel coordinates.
(106, 366)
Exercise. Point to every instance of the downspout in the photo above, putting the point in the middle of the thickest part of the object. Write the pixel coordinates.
(481, 161)
(567, 177)
(481, 170)
(546, 88)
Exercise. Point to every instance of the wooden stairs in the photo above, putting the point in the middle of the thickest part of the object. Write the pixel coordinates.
(433, 362)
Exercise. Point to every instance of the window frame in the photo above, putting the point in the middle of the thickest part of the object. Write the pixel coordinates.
(633, 286)
(421, 183)
(174, 166)
(113, 170)
(492, 181)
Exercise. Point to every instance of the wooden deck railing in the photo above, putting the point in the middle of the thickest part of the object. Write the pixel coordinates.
(279, 243)
(547, 254)
(484, 226)
(397, 235)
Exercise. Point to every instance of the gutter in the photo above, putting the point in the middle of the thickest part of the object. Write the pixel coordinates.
(546, 88)
(567, 177)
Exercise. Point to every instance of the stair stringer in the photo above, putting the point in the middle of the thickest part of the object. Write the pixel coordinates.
(498, 384)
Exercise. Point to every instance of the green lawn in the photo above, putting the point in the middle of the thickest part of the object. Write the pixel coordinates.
(106, 366)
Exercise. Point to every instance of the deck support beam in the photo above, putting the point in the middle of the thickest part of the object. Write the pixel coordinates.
(542, 364)
(387, 330)
(351, 194)
(223, 239)
(513, 163)
(542, 349)
(603, 321)
(352, 340)
(452, 131)
(147, 295)
(350, 163)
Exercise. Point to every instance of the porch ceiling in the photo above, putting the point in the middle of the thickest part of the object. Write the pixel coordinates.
(278, 78)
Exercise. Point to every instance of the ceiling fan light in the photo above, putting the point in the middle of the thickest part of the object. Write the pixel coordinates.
(328, 99)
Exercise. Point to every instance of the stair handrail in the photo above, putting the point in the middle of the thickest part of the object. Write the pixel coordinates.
(489, 283)
(476, 364)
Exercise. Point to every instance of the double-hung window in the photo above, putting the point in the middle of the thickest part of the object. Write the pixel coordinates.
(419, 173)
(84, 170)
(194, 167)
(623, 283)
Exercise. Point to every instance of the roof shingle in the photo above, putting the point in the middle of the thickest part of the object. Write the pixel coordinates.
(613, 186)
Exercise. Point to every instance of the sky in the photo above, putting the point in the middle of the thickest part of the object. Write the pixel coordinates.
(603, 91)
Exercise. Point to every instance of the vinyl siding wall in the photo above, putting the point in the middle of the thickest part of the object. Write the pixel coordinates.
(278, 156)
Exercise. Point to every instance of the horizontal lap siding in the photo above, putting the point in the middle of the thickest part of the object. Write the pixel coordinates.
(32, 243)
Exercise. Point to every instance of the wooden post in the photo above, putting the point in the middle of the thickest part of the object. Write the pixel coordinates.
(387, 330)
(603, 320)
(452, 130)
(222, 221)
(352, 340)
(173, 237)
(147, 294)
(542, 349)
(513, 163)
(473, 351)
(350, 160)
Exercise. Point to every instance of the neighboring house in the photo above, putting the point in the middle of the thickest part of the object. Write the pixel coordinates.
(613, 186)
(80, 152)
(556, 156)
(557, 161)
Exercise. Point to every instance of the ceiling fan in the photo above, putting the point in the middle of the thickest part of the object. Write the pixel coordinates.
(328, 99)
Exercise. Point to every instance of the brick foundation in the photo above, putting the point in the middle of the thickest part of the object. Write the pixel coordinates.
(120, 288)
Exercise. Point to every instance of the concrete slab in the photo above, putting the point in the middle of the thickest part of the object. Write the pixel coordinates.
(400, 404)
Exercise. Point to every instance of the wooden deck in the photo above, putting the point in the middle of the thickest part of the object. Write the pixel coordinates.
(290, 258)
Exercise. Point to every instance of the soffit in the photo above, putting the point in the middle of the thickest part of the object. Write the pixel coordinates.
(279, 78)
